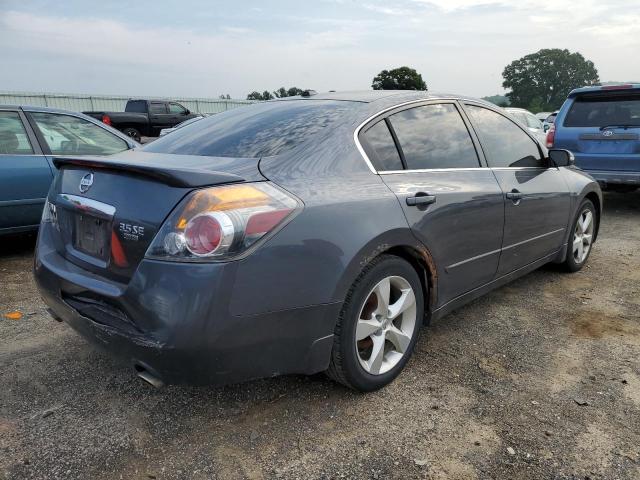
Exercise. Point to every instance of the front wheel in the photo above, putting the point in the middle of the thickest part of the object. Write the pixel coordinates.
(581, 240)
(378, 325)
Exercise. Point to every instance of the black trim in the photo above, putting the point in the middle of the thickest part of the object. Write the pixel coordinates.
(392, 131)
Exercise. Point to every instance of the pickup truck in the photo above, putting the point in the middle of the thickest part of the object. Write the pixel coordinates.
(145, 117)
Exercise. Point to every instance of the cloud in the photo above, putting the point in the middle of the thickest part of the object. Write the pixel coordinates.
(458, 45)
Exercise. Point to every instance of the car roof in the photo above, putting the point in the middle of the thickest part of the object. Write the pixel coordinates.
(633, 87)
(371, 96)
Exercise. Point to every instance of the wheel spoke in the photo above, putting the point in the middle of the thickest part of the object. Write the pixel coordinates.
(383, 292)
(406, 300)
(580, 252)
(399, 339)
(586, 221)
(366, 328)
(587, 238)
(374, 364)
(577, 241)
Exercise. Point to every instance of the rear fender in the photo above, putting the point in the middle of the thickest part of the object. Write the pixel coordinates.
(402, 243)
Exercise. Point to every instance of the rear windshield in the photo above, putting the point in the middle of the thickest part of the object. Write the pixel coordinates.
(260, 130)
(602, 111)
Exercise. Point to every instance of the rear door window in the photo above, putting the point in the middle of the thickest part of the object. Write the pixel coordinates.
(157, 108)
(434, 136)
(66, 134)
(380, 147)
(13, 136)
(504, 143)
(604, 110)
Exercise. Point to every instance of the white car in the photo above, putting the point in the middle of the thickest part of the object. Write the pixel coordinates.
(529, 120)
(165, 131)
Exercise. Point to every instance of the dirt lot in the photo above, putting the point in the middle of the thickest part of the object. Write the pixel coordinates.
(538, 380)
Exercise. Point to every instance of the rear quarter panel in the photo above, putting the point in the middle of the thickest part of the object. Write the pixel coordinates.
(350, 216)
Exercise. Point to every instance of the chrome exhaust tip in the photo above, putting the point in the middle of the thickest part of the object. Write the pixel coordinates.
(144, 374)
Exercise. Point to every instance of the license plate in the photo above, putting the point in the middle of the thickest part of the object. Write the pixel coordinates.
(91, 236)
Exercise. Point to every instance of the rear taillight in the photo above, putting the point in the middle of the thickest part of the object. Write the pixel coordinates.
(106, 119)
(221, 223)
(551, 134)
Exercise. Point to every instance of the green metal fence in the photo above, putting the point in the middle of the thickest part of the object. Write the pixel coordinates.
(114, 103)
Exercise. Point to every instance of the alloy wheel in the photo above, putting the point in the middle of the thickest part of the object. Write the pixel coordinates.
(386, 325)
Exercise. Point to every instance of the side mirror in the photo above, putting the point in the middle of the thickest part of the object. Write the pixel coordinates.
(187, 112)
(561, 158)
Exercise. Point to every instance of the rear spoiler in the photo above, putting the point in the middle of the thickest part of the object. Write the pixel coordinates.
(175, 177)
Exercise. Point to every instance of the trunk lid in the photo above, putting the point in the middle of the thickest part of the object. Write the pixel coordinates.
(109, 209)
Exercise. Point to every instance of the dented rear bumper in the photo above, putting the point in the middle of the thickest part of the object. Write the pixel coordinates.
(174, 320)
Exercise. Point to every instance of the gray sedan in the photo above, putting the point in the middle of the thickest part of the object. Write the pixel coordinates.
(308, 234)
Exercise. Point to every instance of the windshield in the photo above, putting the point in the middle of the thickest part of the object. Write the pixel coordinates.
(603, 111)
(260, 130)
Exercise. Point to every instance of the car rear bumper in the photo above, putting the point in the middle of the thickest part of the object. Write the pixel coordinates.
(172, 319)
(613, 177)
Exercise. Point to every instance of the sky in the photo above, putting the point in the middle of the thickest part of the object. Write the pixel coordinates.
(204, 48)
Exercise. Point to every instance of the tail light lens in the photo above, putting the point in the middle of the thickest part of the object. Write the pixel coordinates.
(551, 136)
(220, 223)
(106, 119)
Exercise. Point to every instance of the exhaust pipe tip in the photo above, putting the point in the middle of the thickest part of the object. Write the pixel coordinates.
(145, 375)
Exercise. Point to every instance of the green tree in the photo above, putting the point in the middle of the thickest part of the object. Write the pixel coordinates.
(287, 92)
(403, 78)
(279, 93)
(542, 80)
(254, 96)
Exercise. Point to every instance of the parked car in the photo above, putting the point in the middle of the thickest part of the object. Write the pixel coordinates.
(549, 121)
(530, 121)
(305, 235)
(166, 131)
(29, 138)
(542, 116)
(601, 126)
(145, 117)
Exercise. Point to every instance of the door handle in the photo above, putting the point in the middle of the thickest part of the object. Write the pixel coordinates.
(421, 198)
(514, 195)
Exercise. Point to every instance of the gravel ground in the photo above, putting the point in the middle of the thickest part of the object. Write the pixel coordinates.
(537, 380)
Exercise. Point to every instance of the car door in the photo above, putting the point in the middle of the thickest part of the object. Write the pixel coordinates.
(178, 113)
(537, 202)
(25, 175)
(452, 202)
(159, 117)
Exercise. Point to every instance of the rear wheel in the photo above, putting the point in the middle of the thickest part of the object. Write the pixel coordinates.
(378, 325)
(133, 133)
(581, 240)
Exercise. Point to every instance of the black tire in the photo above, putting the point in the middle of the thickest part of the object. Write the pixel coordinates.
(571, 264)
(133, 133)
(345, 366)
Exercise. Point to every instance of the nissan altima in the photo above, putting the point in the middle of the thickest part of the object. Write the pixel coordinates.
(309, 234)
